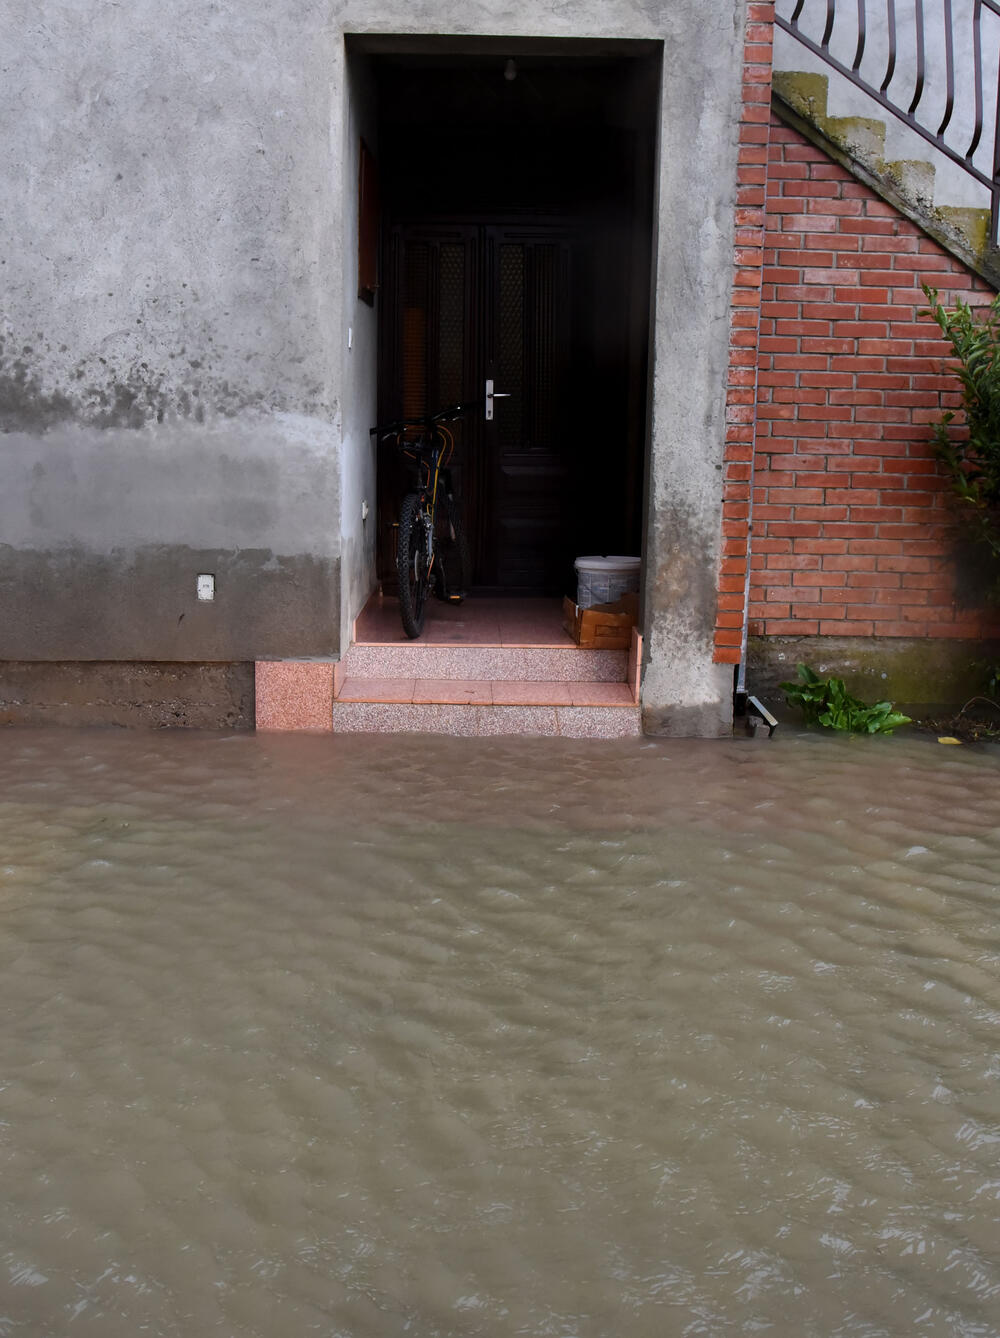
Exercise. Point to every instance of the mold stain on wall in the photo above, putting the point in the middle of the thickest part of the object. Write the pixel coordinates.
(40, 390)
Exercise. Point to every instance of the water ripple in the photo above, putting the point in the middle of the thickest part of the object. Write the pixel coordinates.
(384, 1036)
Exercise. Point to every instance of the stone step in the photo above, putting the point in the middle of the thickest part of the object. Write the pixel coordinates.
(972, 225)
(476, 720)
(464, 689)
(808, 94)
(560, 664)
(861, 136)
(858, 143)
(914, 178)
(484, 692)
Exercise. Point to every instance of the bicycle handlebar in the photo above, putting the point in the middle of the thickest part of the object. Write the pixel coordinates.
(429, 422)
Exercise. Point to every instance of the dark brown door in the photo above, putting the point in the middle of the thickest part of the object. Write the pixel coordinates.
(464, 303)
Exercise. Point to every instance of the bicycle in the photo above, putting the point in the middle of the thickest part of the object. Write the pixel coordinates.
(432, 551)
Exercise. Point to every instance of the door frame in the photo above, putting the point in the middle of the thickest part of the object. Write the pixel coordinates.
(481, 460)
(690, 110)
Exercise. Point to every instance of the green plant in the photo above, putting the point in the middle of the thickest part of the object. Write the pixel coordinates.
(971, 457)
(826, 701)
(988, 674)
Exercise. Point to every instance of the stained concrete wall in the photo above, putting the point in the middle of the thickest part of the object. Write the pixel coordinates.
(105, 532)
(170, 356)
(162, 695)
(178, 189)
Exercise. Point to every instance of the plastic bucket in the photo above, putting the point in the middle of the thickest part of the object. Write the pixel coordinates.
(602, 580)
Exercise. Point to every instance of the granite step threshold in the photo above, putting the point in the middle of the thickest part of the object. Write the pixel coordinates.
(559, 663)
(581, 709)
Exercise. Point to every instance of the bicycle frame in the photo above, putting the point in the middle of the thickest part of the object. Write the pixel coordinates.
(430, 455)
(429, 445)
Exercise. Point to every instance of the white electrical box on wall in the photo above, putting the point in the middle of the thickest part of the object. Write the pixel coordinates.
(206, 587)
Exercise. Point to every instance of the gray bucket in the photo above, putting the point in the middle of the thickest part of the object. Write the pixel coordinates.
(602, 580)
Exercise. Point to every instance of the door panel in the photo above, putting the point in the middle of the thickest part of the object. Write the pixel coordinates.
(463, 303)
(527, 349)
(428, 357)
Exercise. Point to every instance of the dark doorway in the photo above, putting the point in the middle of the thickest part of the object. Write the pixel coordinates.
(517, 194)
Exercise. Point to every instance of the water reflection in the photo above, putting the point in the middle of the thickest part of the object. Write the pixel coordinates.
(458, 1037)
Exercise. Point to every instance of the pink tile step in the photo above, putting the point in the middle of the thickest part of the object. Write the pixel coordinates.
(599, 722)
(584, 722)
(294, 694)
(533, 664)
(526, 693)
(633, 672)
(487, 667)
(452, 691)
(479, 692)
(601, 694)
(376, 690)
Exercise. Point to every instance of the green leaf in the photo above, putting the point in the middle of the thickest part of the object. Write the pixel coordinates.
(969, 450)
(827, 702)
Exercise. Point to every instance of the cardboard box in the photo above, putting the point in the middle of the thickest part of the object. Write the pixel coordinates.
(602, 626)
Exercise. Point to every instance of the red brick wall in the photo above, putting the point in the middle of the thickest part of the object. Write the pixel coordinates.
(748, 259)
(851, 517)
(850, 508)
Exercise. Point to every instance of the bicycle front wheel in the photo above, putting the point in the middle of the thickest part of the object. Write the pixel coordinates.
(411, 565)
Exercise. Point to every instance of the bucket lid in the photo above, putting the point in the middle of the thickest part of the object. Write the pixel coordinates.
(608, 564)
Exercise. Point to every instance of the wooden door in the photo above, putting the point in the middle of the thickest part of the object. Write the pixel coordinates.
(527, 351)
(428, 358)
(468, 302)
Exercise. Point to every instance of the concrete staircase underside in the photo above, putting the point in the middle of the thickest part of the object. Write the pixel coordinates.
(486, 668)
(858, 143)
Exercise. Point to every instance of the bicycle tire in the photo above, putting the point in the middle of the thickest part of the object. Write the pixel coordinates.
(411, 566)
(452, 566)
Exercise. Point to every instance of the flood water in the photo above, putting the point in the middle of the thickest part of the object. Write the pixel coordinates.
(372, 1036)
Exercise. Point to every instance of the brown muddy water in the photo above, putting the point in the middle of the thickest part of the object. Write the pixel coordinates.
(373, 1036)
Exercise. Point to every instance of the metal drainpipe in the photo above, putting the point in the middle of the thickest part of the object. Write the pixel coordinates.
(752, 708)
(740, 700)
(740, 694)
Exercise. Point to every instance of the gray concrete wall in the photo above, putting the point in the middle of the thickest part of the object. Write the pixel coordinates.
(359, 362)
(684, 692)
(130, 695)
(170, 350)
(180, 185)
(105, 532)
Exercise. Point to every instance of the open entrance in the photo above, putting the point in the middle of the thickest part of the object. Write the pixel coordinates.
(517, 185)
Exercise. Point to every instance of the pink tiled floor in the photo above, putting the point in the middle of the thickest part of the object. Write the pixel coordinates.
(457, 692)
(477, 622)
(376, 689)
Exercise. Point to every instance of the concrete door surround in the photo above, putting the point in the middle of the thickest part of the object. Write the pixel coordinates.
(685, 692)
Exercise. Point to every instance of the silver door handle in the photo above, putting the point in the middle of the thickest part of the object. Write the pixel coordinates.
(492, 395)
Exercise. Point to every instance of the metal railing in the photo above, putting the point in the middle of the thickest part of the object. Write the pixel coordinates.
(902, 54)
